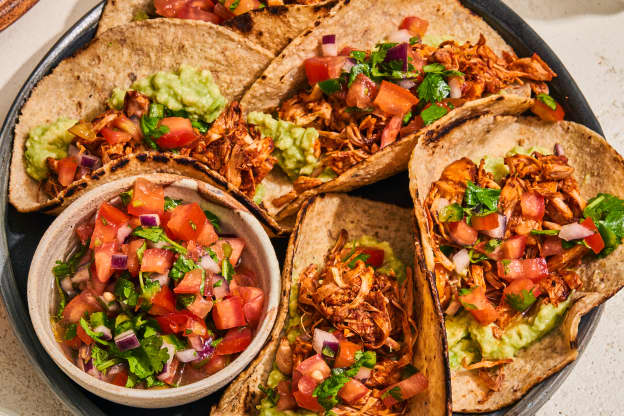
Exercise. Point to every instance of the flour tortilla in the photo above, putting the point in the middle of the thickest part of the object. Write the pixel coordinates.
(80, 86)
(318, 224)
(362, 24)
(598, 168)
(272, 27)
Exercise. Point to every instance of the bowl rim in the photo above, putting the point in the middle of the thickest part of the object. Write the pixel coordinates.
(41, 280)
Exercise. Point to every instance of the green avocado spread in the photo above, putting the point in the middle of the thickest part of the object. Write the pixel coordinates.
(49, 140)
(187, 89)
(467, 339)
(390, 263)
(496, 165)
(294, 146)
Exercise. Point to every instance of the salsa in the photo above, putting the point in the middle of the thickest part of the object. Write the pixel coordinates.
(154, 295)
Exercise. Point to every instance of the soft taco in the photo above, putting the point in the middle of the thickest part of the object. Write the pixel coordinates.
(520, 224)
(191, 78)
(271, 24)
(349, 333)
(346, 103)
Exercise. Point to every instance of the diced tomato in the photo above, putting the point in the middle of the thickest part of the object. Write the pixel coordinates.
(307, 401)
(121, 378)
(105, 229)
(408, 388)
(123, 123)
(242, 6)
(479, 306)
(532, 205)
(191, 283)
(346, 354)
(534, 269)
(551, 246)
(84, 232)
(113, 136)
(375, 256)
(393, 99)
(237, 245)
(314, 367)
(130, 250)
(73, 343)
(195, 13)
(286, 400)
(415, 26)
(391, 131)
(103, 257)
(182, 322)
(163, 302)
(76, 308)
(244, 277)
(169, 8)
(113, 215)
(169, 375)
(66, 170)
(513, 248)
(156, 260)
(362, 92)
(462, 233)
(216, 364)
(484, 223)
(228, 313)
(200, 307)
(518, 285)
(322, 68)
(353, 391)
(82, 335)
(234, 341)
(180, 133)
(94, 283)
(594, 241)
(546, 113)
(222, 11)
(207, 236)
(483, 248)
(253, 299)
(187, 222)
(147, 198)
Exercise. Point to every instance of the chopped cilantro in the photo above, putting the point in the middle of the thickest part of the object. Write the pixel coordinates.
(234, 5)
(607, 212)
(149, 125)
(70, 332)
(171, 203)
(193, 226)
(126, 293)
(65, 269)
(433, 113)
(126, 197)
(330, 86)
(157, 234)
(481, 201)
(408, 371)
(328, 352)
(270, 393)
(548, 100)
(544, 232)
(414, 40)
(214, 220)
(433, 89)
(362, 256)
(522, 301)
(407, 118)
(185, 300)
(96, 336)
(182, 266)
(395, 392)
(451, 213)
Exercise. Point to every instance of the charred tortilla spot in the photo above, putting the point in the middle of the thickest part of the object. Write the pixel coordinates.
(277, 10)
(119, 164)
(132, 76)
(142, 157)
(433, 136)
(326, 6)
(97, 174)
(183, 161)
(318, 22)
(500, 98)
(160, 158)
(78, 77)
(243, 23)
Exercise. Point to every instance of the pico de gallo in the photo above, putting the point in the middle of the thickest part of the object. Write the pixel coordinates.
(153, 295)
(350, 337)
(509, 237)
(361, 101)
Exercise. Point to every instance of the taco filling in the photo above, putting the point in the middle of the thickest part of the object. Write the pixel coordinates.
(350, 336)
(509, 235)
(361, 101)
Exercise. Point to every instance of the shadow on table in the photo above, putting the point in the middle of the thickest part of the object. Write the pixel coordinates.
(554, 9)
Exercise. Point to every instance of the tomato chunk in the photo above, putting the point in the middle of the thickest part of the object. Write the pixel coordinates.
(163, 302)
(408, 388)
(130, 250)
(228, 313)
(195, 13)
(191, 282)
(393, 99)
(253, 299)
(147, 198)
(66, 170)
(462, 233)
(237, 245)
(242, 6)
(346, 354)
(391, 131)
(534, 269)
(216, 363)
(168, 376)
(234, 341)
(121, 378)
(107, 222)
(546, 113)
(375, 256)
(208, 235)
(187, 222)
(200, 307)
(314, 367)
(415, 26)
(479, 306)
(513, 248)
(182, 322)
(123, 123)
(322, 68)
(594, 241)
(362, 92)
(83, 336)
(307, 401)
(353, 391)
(180, 133)
(103, 257)
(484, 223)
(517, 286)
(156, 260)
(86, 301)
(532, 205)
(113, 136)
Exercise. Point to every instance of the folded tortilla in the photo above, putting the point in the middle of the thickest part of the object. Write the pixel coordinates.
(318, 224)
(80, 86)
(272, 27)
(598, 168)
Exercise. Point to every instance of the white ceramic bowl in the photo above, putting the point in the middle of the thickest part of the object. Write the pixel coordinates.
(60, 238)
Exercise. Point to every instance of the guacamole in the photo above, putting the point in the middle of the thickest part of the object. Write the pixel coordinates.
(294, 146)
(188, 89)
(391, 262)
(496, 165)
(469, 339)
(49, 140)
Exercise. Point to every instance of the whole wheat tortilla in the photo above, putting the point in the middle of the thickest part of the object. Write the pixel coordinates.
(272, 27)
(318, 224)
(80, 86)
(598, 168)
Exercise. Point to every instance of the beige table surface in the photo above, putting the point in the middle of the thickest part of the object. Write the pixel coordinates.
(587, 36)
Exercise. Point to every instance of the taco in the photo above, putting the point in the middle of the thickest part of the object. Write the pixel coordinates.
(271, 24)
(350, 325)
(405, 69)
(520, 228)
(191, 78)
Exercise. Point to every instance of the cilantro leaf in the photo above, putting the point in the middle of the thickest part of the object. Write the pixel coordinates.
(126, 293)
(157, 234)
(607, 212)
(433, 89)
(96, 336)
(214, 220)
(270, 393)
(366, 359)
(330, 86)
(451, 213)
(327, 391)
(521, 301)
(433, 113)
(362, 256)
(184, 300)
(481, 201)
(395, 392)
(171, 203)
(182, 266)
(70, 332)
(126, 197)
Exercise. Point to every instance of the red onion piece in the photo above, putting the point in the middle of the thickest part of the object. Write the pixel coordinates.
(82, 275)
(499, 231)
(196, 342)
(90, 161)
(127, 341)
(349, 63)
(123, 232)
(163, 279)
(149, 220)
(105, 331)
(186, 356)
(398, 53)
(452, 308)
(456, 87)
(171, 350)
(408, 84)
(119, 262)
(208, 264)
(558, 149)
(364, 373)
(461, 260)
(207, 351)
(220, 290)
(330, 49)
(323, 339)
(66, 284)
(74, 152)
(328, 39)
(400, 36)
(574, 231)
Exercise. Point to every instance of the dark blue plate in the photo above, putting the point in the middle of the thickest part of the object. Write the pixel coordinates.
(22, 232)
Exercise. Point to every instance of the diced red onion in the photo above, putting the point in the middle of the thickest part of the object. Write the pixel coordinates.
(196, 342)
(127, 341)
(558, 149)
(171, 350)
(91, 370)
(163, 279)
(349, 63)
(574, 231)
(499, 231)
(123, 232)
(105, 331)
(207, 351)
(461, 260)
(364, 373)
(323, 339)
(89, 161)
(186, 356)
(208, 264)
(149, 220)
(455, 86)
(398, 53)
(222, 289)
(330, 49)
(82, 275)
(408, 84)
(67, 286)
(400, 36)
(328, 39)
(164, 374)
(119, 262)
(159, 244)
(74, 152)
